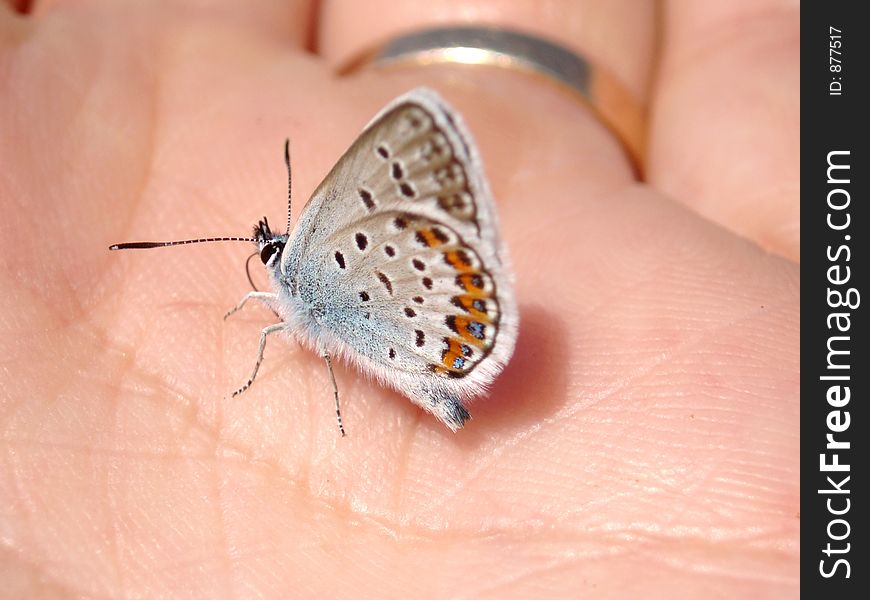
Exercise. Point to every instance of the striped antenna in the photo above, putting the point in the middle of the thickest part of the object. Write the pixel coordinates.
(289, 179)
(140, 245)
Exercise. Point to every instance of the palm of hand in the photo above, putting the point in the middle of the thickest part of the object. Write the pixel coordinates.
(649, 413)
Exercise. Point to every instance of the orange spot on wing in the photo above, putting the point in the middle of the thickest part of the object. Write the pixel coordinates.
(472, 283)
(431, 237)
(467, 302)
(466, 328)
(451, 354)
(459, 260)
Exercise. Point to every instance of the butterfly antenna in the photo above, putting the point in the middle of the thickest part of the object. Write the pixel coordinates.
(140, 245)
(289, 179)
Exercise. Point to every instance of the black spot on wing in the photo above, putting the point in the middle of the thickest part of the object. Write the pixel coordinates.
(440, 235)
(386, 281)
(366, 197)
(407, 190)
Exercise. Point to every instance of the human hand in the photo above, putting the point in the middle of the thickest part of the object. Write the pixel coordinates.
(643, 440)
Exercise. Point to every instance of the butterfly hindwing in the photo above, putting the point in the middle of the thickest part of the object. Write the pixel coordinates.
(398, 250)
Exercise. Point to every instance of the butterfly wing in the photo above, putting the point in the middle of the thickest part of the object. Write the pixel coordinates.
(398, 263)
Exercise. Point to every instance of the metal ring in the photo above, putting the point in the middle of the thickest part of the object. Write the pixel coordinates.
(614, 105)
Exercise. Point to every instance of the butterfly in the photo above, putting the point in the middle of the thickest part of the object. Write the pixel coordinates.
(396, 265)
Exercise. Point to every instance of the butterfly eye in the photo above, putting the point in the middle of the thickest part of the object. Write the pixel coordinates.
(268, 251)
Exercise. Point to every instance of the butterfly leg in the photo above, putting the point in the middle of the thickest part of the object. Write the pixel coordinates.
(328, 360)
(266, 331)
(265, 297)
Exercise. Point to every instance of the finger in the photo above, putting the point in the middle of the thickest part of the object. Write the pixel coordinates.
(725, 121)
(599, 32)
(288, 19)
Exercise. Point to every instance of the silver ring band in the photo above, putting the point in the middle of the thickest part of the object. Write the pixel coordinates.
(479, 45)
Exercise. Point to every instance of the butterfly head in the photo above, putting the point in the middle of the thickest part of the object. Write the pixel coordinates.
(270, 245)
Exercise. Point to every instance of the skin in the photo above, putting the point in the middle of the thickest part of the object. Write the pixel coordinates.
(644, 438)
